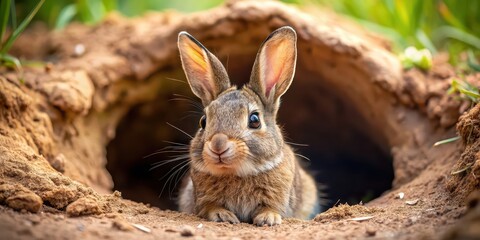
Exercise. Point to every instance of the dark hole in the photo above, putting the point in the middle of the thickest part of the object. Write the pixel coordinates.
(344, 150)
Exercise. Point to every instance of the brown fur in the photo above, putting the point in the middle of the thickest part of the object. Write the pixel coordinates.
(238, 172)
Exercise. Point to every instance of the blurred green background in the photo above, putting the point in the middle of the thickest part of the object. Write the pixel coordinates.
(437, 25)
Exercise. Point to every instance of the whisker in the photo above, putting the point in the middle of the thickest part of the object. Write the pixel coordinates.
(184, 96)
(175, 143)
(177, 179)
(178, 97)
(176, 80)
(194, 100)
(172, 169)
(297, 144)
(175, 147)
(173, 151)
(170, 175)
(304, 157)
(180, 130)
(228, 58)
(164, 150)
(190, 102)
(190, 115)
(195, 112)
(161, 163)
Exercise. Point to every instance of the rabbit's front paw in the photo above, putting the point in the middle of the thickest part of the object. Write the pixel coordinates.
(222, 215)
(268, 217)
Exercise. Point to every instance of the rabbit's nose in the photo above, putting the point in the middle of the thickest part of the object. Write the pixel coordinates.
(219, 143)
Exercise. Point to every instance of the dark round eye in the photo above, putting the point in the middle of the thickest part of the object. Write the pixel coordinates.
(203, 122)
(254, 120)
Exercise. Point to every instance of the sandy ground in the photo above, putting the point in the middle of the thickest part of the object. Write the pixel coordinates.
(54, 128)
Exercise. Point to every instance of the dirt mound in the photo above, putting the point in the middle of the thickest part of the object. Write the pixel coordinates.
(345, 211)
(378, 125)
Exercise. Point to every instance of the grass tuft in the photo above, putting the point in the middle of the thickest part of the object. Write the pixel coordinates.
(7, 8)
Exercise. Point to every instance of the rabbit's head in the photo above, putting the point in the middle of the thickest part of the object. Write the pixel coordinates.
(238, 134)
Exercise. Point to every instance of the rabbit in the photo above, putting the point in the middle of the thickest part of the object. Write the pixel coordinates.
(241, 169)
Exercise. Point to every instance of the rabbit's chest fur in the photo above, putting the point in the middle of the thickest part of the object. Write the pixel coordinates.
(276, 188)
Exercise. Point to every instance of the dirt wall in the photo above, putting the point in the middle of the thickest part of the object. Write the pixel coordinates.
(55, 126)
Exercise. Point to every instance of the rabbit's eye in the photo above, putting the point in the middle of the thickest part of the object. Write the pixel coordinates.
(254, 120)
(203, 122)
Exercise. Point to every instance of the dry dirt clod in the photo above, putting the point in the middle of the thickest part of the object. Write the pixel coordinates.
(25, 201)
(121, 224)
(20, 198)
(58, 217)
(187, 231)
(83, 206)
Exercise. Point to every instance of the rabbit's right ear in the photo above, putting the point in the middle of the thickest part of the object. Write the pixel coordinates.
(274, 66)
(205, 73)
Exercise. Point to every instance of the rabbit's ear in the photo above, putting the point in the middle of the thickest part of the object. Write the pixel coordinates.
(274, 66)
(205, 73)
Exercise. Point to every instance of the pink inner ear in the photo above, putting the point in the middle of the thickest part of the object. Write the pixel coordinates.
(275, 56)
(198, 67)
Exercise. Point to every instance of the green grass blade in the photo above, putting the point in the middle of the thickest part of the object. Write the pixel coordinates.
(66, 16)
(448, 16)
(471, 94)
(10, 61)
(4, 12)
(388, 32)
(417, 15)
(450, 32)
(13, 16)
(404, 17)
(110, 5)
(448, 140)
(20, 28)
(472, 61)
(425, 41)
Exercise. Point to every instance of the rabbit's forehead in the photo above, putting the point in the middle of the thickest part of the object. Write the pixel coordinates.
(235, 102)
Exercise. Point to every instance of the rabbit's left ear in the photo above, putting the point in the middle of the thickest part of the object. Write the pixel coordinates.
(274, 66)
(205, 73)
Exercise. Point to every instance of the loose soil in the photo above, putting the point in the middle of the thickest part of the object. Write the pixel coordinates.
(56, 123)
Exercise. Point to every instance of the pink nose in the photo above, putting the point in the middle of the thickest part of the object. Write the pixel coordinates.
(219, 143)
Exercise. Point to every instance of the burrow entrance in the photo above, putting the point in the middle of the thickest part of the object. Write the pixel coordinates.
(347, 154)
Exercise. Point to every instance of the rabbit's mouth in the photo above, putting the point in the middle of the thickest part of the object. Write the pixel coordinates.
(228, 161)
(223, 161)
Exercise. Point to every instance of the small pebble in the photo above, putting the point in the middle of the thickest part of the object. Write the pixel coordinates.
(80, 227)
(412, 202)
(48, 67)
(35, 220)
(400, 195)
(58, 163)
(79, 50)
(27, 223)
(187, 231)
(371, 232)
